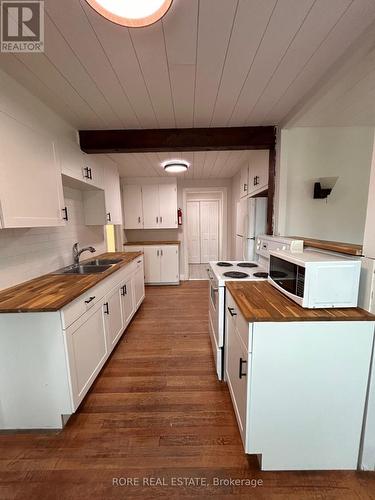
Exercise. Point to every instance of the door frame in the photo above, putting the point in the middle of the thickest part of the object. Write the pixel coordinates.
(222, 197)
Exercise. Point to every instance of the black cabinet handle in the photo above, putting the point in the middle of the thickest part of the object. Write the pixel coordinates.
(65, 213)
(87, 173)
(124, 290)
(106, 308)
(89, 300)
(231, 311)
(90, 173)
(256, 180)
(109, 217)
(245, 187)
(242, 362)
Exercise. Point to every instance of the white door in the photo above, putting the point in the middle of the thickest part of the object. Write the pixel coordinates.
(151, 215)
(112, 309)
(193, 232)
(31, 192)
(169, 269)
(112, 195)
(139, 286)
(127, 299)
(132, 201)
(258, 178)
(209, 233)
(152, 264)
(168, 206)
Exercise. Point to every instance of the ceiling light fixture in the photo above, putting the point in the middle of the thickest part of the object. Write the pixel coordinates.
(131, 13)
(176, 166)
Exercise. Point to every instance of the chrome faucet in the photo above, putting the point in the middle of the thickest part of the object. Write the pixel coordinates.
(77, 253)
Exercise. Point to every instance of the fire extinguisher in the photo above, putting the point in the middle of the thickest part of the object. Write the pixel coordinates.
(179, 216)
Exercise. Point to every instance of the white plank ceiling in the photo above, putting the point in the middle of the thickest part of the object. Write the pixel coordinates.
(207, 63)
(203, 164)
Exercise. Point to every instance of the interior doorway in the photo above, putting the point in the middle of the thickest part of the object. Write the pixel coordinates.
(203, 231)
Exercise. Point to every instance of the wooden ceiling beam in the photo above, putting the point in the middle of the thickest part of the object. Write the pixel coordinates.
(171, 140)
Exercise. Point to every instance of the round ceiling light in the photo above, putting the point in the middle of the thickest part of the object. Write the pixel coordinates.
(131, 13)
(176, 166)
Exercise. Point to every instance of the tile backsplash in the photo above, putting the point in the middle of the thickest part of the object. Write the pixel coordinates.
(29, 252)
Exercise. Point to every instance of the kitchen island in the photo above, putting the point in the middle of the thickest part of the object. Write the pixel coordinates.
(297, 377)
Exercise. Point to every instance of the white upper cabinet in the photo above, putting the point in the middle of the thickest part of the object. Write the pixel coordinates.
(151, 206)
(132, 203)
(31, 193)
(244, 181)
(92, 171)
(167, 206)
(112, 195)
(258, 171)
(80, 166)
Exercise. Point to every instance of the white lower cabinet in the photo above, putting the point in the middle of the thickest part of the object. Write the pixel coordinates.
(112, 310)
(298, 389)
(87, 351)
(58, 355)
(161, 263)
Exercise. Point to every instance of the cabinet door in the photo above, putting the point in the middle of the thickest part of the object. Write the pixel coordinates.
(236, 370)
(31, 192)
(71, 159)
(152, 264)
(128, 301)
(168, 206)
(112, 195)
(112, 309)
(150, 198)
(92, 172)
(139, 286)
(244, 181)
(169, 269)
(259, 168)
(87, 351)
(132, 201)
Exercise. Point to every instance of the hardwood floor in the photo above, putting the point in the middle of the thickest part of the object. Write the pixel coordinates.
(157, 411)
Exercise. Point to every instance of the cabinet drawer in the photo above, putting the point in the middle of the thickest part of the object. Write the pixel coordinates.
(240, 324)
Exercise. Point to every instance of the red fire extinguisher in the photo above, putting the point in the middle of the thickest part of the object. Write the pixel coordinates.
(179, 216)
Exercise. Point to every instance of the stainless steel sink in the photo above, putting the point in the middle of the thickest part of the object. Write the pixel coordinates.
(102, 262)
(83, 269)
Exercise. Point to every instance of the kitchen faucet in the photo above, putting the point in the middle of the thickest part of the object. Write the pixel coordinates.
(77, 253)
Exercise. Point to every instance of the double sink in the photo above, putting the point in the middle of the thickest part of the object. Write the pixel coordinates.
(91, 267)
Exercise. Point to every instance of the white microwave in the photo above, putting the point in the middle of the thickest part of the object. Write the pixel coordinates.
(316, 279)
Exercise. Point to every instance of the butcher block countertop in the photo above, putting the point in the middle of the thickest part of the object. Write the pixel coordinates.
(259, 301)
(144, 243)
(332, 246)
(51, 292)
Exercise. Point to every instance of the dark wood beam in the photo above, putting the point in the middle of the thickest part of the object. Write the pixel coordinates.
(271, 190)
(185, 139)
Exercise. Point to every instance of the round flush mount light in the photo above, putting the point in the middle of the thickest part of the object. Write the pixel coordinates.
(131, 13)
(176, 166)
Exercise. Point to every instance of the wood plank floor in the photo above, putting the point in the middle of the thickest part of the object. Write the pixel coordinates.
(157, 410)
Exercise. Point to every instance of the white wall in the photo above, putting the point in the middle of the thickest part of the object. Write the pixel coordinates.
(27, 253)
(310, 153)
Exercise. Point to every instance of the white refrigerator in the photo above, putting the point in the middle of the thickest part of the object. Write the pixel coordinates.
(251, 222)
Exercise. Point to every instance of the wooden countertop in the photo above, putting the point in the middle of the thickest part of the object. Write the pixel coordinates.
(52, 292)
(332, 246)
(259, 301)
(144, 243)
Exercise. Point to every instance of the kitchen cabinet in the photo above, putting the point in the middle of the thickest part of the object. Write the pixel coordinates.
(161, 264)
(258, 171)
(112, 308)
(31, 193)
(244, 180)
(36, 391)
(103, 207)
(290, 406)
(128, 300)
(133, 208)
(254, 174)
(87, 351)
(150, 206)
(77, 165)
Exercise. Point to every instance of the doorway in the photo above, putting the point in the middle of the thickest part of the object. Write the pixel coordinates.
(204, 229)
